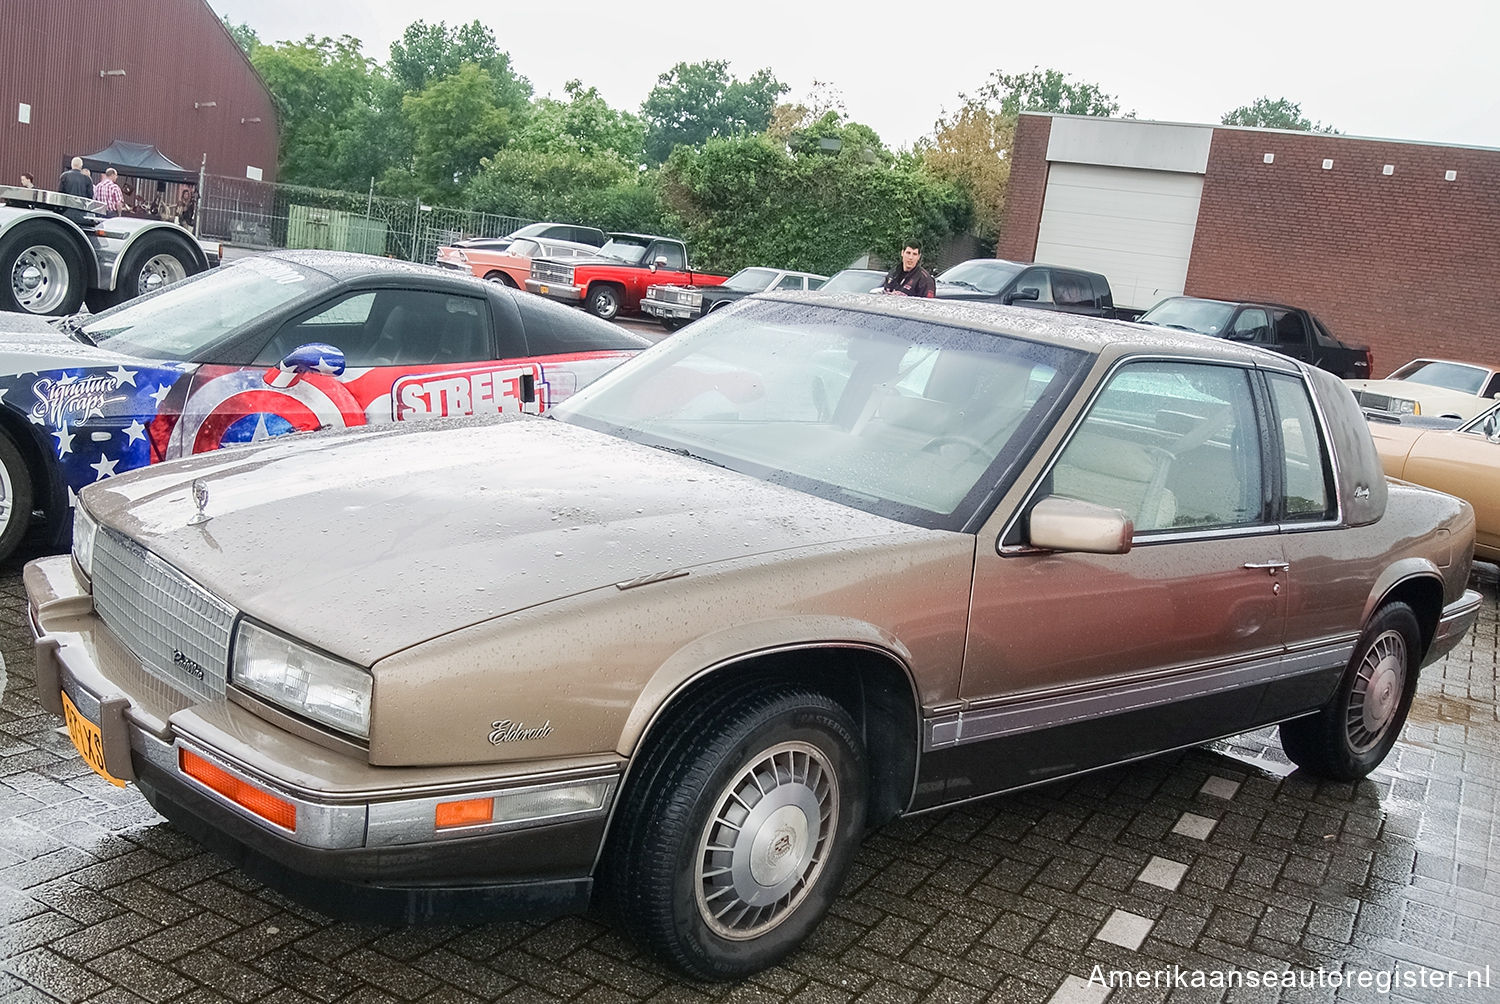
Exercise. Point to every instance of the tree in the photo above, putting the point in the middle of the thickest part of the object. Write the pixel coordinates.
(334, 130)
(426, 53)
(584, 124)
(243, 34)
(1039, 90)
(969, 147)
(1264, 113)
(694, 102)
(457, 123)
(560, 184)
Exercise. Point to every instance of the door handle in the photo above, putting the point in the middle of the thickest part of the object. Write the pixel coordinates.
(1271, 566)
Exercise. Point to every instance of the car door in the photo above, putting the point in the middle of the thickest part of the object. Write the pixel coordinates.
(408, 353)
(1291, 335)
(1168, 644)
(1467, 464)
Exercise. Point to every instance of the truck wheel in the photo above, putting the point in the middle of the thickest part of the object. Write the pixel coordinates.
(15, 496)
(42, 269)
(156, 261)
(737, 834)
(604, 302)
(1359, 724)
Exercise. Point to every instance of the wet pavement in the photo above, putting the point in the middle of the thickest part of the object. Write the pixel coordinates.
(1217, 874)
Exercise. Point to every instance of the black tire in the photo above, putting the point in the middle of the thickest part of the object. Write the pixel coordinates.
(672, 323)
(1357, 728)
(604, 301)
(155, 261)
(41, 271)
(500, 278)
(747, 771)
(16, 496)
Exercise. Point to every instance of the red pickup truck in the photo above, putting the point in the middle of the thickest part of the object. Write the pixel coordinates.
(615, 281)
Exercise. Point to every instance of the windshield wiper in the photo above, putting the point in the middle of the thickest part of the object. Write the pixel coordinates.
(683, 452)
(962, 282)
(73, 328)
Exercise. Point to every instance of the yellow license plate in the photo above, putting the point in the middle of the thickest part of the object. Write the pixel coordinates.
(544, 290)
(88, 739)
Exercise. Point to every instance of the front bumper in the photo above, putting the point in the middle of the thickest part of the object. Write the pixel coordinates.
(364, 840)
(671, 311)
(1458, 617)
(567, 294)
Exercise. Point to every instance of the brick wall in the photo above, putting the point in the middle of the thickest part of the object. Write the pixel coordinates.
(1407, 263)
(1028, 185)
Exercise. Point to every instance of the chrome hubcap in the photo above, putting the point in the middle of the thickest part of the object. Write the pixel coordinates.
(767, 841)
(158, 271)
(1378, 685)
(39, 279)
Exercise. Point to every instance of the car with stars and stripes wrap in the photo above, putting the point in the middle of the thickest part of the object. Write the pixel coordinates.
(273, 344)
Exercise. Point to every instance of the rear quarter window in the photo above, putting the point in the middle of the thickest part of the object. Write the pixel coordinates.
(552, 329)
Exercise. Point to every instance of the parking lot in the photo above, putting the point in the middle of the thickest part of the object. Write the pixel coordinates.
(1199, 876)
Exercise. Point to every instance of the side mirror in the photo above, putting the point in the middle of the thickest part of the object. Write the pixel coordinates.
(660, 262)
(314, 357)
(1024, 293)
(1060, 524)
(1491, 427)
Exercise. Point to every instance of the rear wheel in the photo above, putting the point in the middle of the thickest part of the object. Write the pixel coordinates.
(737, 834)
(604, 301)
(16, 496)
(1357, 728)
(501, 279)
(155, 261)
(42, 271)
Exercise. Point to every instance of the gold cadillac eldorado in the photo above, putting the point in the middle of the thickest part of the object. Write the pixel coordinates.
(816, 562)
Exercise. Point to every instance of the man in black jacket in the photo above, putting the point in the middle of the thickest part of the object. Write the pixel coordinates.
(74, 182)
(910, 278)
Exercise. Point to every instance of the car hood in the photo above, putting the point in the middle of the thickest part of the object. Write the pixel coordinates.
(1435, 401)
(593, 260)
(948, 291)
(29, 344)
(366, 543)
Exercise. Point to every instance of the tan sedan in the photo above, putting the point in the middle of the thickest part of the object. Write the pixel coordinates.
(813, 563)
(1464, 461)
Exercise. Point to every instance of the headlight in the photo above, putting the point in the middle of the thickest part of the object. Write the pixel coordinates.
(322, 688)
(84, 532)
(1401, 406)
(693, 298)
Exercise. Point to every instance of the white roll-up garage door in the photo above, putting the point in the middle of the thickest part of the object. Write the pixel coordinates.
(1134, 226)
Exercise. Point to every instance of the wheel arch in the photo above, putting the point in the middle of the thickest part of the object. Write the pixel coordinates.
(66, 228)
(615, 284)
(869, 680)
(165, 230)
(1423, 592)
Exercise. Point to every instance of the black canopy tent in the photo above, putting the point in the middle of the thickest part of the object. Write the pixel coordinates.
(139, 160)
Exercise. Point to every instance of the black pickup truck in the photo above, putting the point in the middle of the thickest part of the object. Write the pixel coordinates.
(1049, 287)
(1291, 331)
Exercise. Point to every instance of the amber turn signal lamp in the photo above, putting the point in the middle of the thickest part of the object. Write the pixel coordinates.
(264, 804)
(466, 813)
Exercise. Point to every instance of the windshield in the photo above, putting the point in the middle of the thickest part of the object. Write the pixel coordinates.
(751, 279)
(905, 418)
(184, 319)
(1207, 317)
(987, 276)
(853, 280)
(1449, 376)
(626, 250)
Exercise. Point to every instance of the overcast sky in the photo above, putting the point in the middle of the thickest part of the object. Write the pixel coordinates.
(1376, 68)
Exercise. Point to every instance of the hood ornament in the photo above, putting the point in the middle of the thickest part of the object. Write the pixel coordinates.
(200, 499)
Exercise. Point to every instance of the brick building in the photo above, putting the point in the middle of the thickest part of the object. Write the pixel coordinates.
(1391, 243)
(79, 74)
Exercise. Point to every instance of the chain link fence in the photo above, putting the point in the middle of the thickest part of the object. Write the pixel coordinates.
(263, 215)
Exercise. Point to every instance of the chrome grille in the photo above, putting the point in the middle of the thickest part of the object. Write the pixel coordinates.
(546, 271)
(691, 297)
(178, 629)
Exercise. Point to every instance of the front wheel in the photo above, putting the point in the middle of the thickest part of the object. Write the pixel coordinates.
(738, 833)
(604, 302)
(42, 271)
(16, 496)
(1358, 726)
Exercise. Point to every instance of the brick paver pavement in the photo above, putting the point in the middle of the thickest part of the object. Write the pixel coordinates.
(1179, 869)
